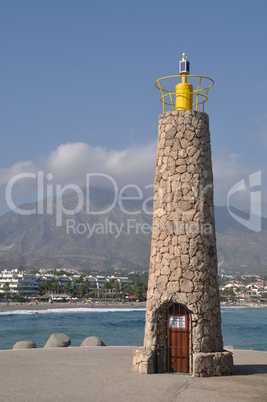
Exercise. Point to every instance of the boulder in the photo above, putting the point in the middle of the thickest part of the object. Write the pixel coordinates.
(25, 345)
(58, 341)
(92, 341)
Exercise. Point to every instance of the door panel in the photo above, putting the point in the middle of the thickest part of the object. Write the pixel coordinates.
(178, 338)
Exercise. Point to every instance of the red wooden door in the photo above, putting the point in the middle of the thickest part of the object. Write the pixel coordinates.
(178, 338)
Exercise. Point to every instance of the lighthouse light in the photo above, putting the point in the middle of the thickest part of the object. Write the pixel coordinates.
(184, 64)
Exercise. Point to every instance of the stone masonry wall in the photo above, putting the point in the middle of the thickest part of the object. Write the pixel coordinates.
(183, 261)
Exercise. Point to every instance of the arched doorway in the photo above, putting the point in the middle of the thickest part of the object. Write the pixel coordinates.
(173, 351)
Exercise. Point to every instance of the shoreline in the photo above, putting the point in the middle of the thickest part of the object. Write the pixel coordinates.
(13, 306)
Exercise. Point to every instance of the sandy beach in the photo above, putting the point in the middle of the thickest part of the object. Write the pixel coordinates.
(48, 306)
(12, 306)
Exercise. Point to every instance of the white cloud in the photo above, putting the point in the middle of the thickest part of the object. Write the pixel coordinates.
(70, 162)
(7, 173)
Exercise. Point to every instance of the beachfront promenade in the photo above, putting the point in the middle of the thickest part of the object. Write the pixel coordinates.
(98, 374)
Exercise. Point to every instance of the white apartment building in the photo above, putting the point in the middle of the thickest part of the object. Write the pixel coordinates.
(25, 284)
(122, 280)
(19, 282)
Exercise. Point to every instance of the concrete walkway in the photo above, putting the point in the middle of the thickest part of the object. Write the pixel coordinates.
(98, 374)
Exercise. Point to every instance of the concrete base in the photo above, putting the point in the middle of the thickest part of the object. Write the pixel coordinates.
(204, 364)
(104, 373)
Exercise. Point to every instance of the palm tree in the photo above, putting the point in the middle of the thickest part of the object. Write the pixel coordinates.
(55, 286)
(85, 287)
(76, 285)
(94, 286)
(43, 285)
(140, 289)
(6, 288)
(126, 290)
(115, 286)
(67, 288)
(106, 287)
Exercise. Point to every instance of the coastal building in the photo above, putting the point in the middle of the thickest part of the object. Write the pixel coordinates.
(20, 282)
(122, 280)
(97, 281)
(256, 288)
(100, 281)
(27, 285)
(46, 277)
(235, 286)
(64, 280)
(10, 277)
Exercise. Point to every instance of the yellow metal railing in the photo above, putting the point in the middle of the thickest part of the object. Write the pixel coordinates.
(200, 95)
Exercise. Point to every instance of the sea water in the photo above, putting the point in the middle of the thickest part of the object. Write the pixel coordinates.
(242, 327)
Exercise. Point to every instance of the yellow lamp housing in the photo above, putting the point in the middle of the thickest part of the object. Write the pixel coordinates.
(184, 96)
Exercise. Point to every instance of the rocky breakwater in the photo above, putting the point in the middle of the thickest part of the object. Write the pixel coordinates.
(59, 340)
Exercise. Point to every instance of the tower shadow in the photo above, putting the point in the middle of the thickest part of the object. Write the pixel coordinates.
(250, 369)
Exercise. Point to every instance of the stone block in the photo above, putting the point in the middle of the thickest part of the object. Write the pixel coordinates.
(58, 340)
(24, 345)
(173, 287)
(92, 341)
(213, 364)
(184, 259)
(207, 344)
(170, 134)
(186, 177)
(186, 285)
(188, 274)
(143, 361)
(165, 270)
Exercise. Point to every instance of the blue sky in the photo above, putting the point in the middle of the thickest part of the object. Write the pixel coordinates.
(77, 86)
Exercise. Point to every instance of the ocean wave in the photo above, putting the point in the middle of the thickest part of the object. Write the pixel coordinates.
(71, 310)
(235, 307)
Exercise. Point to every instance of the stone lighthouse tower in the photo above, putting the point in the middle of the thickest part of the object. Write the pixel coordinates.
(183, 319)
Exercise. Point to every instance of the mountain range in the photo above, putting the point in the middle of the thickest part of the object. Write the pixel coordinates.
(98, 237)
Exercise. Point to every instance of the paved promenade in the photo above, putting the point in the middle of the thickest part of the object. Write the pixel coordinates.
(99, 374)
